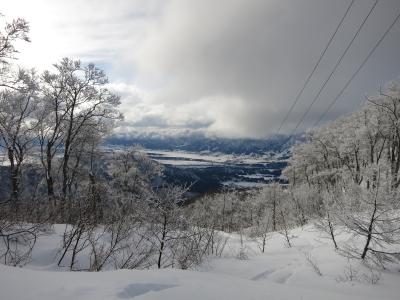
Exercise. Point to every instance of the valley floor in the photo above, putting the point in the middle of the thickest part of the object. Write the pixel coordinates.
(279, 273)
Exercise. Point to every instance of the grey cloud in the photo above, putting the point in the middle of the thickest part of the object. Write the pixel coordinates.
(160, 121)
(260, 52)
(148, 121)
(230, 68)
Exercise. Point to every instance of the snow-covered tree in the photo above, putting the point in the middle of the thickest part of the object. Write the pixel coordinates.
(354, 164)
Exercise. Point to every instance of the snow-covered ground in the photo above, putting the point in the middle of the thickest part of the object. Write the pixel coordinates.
(279, 273)
(182, 158)
(244, 184)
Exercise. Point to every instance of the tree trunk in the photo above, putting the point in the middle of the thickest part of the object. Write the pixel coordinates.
(164, 233)
(49, 177)
(14, 177)
(331, 231)
(370, 228)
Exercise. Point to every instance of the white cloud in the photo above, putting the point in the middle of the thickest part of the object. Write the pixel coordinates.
(229, 67)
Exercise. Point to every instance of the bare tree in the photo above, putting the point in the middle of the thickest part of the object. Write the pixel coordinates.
(261, 232)
(18, 29)
(17, 126)
(52, 115)
(166, 219)
(80, 103)
(13, 31)
(329, 223)
(370, 214)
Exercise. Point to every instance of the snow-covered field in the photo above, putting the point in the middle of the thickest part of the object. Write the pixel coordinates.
(279, 273)
(184, 158)
(244, 184)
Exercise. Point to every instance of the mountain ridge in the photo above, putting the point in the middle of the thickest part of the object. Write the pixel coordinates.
(201, 143)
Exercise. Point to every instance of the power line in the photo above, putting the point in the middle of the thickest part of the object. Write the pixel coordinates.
(335, 67)
(358, 70)
(315, 67)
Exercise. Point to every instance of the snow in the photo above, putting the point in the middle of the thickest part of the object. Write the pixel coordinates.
(243, 184)
(257, 176)
(279, 273)
(185, 163)
(192, 158)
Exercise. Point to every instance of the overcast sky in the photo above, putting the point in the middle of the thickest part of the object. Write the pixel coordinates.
(228, 68)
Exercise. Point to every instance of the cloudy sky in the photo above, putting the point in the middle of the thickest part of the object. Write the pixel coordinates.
(228, 68)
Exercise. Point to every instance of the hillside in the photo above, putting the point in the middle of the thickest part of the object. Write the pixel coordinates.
(279, 273)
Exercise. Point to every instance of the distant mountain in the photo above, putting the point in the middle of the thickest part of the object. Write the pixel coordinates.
(201, 143)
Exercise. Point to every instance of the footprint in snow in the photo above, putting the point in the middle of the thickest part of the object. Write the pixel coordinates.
(263, 275)
(136, 289)
(282, 277)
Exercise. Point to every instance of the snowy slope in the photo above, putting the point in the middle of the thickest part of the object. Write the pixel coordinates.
(280, 273)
